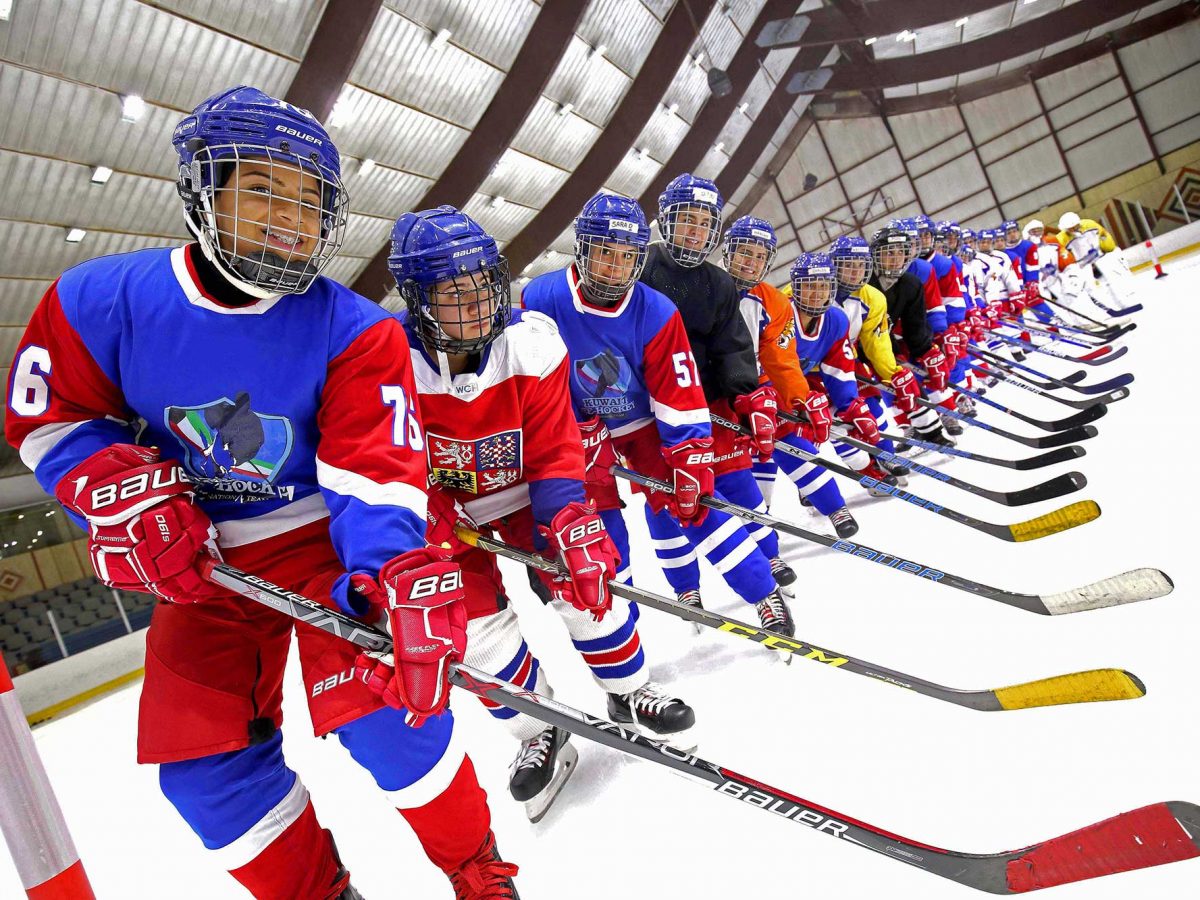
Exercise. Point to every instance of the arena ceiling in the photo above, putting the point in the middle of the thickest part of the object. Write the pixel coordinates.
(515, 110)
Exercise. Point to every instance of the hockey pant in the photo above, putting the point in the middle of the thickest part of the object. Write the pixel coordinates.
(720, 538)
(611, 648)
(254, 814)
(1116, 279)
(814, 483)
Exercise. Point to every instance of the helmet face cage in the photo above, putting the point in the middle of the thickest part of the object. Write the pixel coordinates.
(682, 223)
(462, 315)
(748, 260)
(813, 293)
(851, 265)
(925, 240)
(1012, 234)
(891, 253)
(273, 219)
(984, 237)
(607, 268)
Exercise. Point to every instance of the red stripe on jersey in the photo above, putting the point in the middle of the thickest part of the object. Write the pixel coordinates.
(666, 356)
(933, 294)
(368, 417)
(77, 390)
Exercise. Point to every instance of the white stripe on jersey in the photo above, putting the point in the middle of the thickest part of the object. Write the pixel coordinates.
(360, 487)
(42, 440)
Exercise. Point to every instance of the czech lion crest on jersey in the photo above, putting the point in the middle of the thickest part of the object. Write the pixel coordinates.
(232, 452)
(476, 466)
(605, 380)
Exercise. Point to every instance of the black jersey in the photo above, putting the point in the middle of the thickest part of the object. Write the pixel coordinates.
(709, 303)
(906, 309)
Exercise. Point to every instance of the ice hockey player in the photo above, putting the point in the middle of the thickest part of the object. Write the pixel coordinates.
(1026, 260)
(748, 251)
(911, 334)
(689, 222)
(869, 337)
(922, 270)
(505, 455)
(289, 444)
(636, 390)
(1092, 245)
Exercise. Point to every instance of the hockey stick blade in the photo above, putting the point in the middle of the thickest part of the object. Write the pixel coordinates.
(1078, 687)
(1130, 587)
(1025, 383)
(1056, 487)
(1150, 836)
(1090, 414)
(1043, 526)
(1100, 357)
(1057, 455)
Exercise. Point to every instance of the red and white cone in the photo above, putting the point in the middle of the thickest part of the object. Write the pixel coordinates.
(30, 817)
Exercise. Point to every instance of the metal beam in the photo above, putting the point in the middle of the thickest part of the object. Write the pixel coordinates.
(1057, 141)
(837, 174)
(717, 110)
(828, 27)
(331, 55)
(637, 106)
(770, 176)
(982, 168)
(1137, 108)
(547, 41)
(963, 57)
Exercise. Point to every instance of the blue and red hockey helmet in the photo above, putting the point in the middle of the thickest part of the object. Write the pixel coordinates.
(452, 277)
(813, 283)
(303, 169)
(749, 250)
(851, 258)
(611, 237)
(689, 217)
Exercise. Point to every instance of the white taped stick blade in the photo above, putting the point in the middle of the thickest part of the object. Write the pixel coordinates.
(1128, 587)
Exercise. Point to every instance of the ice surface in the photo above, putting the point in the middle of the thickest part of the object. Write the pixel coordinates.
(973, 781)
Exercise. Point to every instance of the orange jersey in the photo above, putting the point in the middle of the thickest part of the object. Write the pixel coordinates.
(777, 347)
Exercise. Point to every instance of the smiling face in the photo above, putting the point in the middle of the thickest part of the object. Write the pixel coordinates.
(748, 261)
(269, 205)
(692, 229)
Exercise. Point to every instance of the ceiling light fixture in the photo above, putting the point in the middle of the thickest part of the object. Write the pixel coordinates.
(566, 109)
(366, 167)
(870, 41)
(961, 22)
(101, 174)
(440, 39)
(497, 201)
(74, 236)
(133, 107)
(743, 108)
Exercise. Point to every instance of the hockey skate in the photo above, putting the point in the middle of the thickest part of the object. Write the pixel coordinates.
(652, 709)
(782, 572)
(871, 470)
(692, 599)
(965, 405)
(951, 425)
(774, 615)
(485, 876)
(897, 470)
(541, 769)
(844, 524)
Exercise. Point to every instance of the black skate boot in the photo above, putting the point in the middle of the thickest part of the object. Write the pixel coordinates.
(782, 572)
(951, 425)
(652, 707)
(899, 471)
(541, 769)
(485, 876)
(774, 614)
(936, 436)
(843, 523)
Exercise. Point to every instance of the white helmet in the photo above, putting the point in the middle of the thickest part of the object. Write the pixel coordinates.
(1068, 221)
(1031, 225)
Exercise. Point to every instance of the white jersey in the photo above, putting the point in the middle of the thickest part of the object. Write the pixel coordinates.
(1002, 280)
(755, 315)
(975, 276)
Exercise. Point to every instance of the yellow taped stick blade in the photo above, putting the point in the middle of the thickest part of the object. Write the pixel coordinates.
(1078, 687)
(1060, 520)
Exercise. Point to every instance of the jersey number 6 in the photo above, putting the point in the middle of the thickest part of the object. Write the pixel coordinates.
(30, 393)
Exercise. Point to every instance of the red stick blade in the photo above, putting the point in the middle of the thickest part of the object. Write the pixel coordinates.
(1150, 836)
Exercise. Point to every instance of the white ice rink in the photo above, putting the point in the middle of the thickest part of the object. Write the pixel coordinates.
(934, 772)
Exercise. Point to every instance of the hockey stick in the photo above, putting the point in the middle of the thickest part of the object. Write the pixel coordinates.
(1061, 305)
(1107, 335)
(1024, 384)
(1077, 687)
(1071, 516)
(1049, 458)
(1150, 836)
(1060, 485)
(1096, 358)
(1043, 442)
(1070, 381)
(1089, 414)
(1129, 587)
(1053, 335)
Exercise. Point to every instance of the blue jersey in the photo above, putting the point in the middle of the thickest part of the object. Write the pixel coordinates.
(826, 350)
(284, 413)
(1026, 262)
(631, 364)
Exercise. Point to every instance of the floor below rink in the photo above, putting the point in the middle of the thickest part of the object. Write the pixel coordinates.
(973, 781)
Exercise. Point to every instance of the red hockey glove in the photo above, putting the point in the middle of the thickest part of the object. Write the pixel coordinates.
(954, 345)
(420, 594)
(904, 384)
(862, 424)
(820, 418)
(442, 513)
(760, 413)
(937, 369)
(146, 532)
(692, 465)
(599, 456)
(1033, 294)
(587, 550)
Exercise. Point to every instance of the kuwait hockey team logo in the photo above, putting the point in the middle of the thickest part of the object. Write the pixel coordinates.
(231, 451)
(476, 466)
(604, 381)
